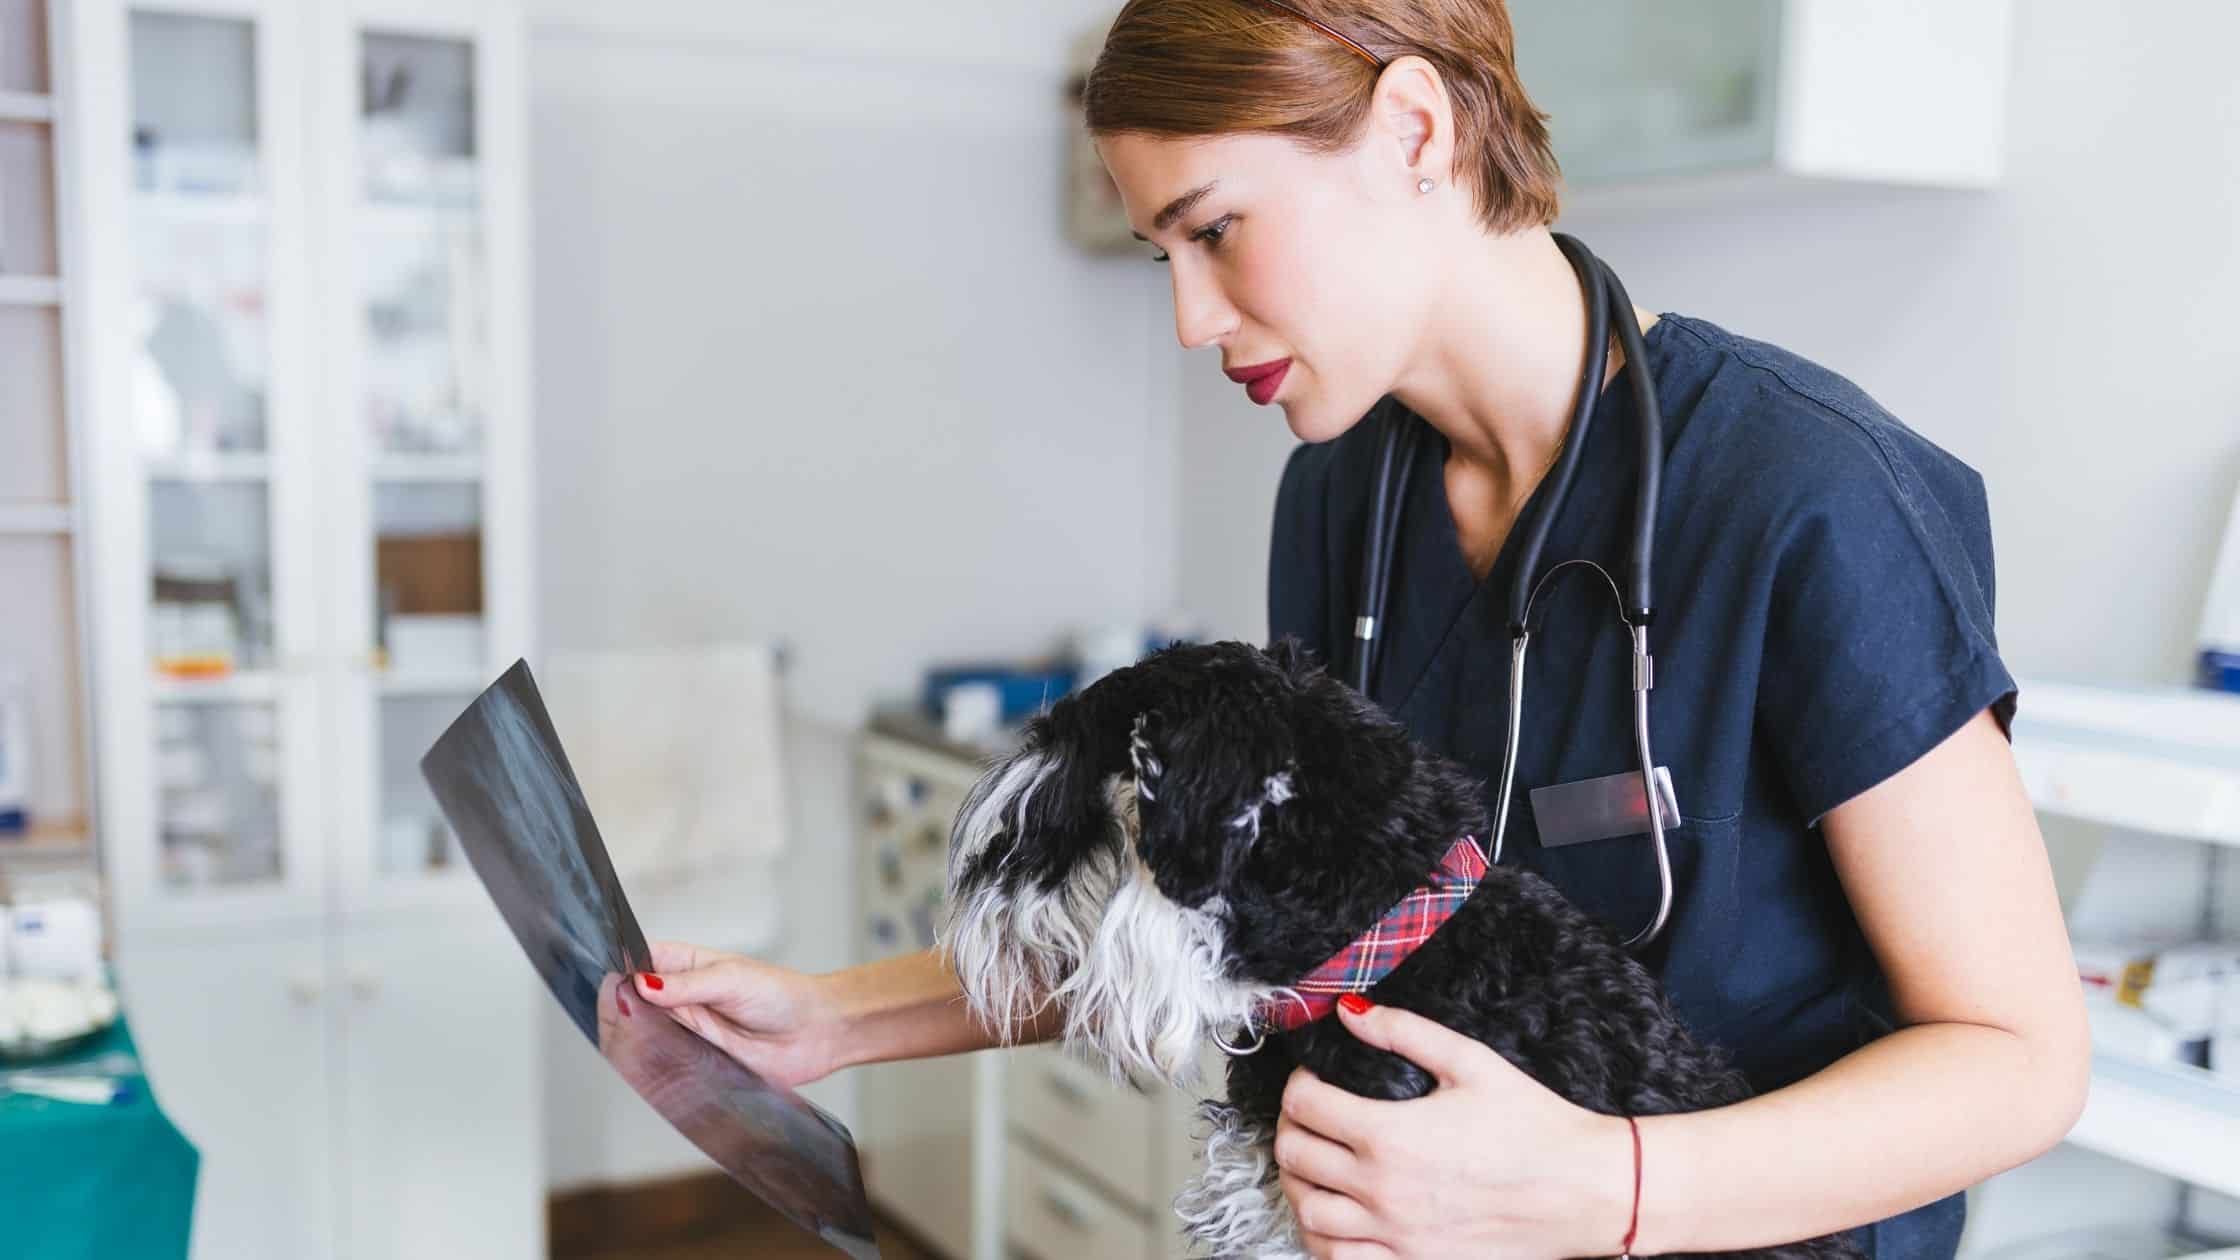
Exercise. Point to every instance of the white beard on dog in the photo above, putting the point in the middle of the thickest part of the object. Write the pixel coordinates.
(1140, 977)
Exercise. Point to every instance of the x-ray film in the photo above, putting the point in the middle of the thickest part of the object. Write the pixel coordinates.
(506, 788)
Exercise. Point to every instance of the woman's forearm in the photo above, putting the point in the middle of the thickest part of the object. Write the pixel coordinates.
(1905, 1120)
(913, 1007)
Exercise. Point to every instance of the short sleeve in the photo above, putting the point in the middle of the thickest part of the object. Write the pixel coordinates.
(1298, 580)
(1879, 642)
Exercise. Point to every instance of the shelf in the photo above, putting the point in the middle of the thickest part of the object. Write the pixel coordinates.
(2179, 1121)
(31, 107)
(185, 207)
(412, 219)
(427, 468)
(463, 682)
(61, 840)
(2159, 760)
(34, 518)
(30, 291)
(246, 685)
(208, 466)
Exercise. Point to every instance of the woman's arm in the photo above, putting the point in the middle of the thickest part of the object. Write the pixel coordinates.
(1946, 870)
(912, 1007)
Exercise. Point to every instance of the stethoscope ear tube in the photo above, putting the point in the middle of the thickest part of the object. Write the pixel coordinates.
(1590, 386)
(1640, 603)
(1396, 447)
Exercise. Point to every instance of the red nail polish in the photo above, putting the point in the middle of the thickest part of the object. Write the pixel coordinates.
(1354, 1003)
(621, 1003)
(652, 981)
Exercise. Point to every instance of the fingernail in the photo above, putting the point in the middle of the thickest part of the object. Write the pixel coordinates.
(1354, 1003)
(652, 981)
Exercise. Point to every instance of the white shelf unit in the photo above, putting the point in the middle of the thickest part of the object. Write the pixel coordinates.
(257, 347)
(2164, 761)
(42, 353)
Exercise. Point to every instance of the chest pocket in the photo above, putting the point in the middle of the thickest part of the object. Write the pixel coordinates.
(1615, 881)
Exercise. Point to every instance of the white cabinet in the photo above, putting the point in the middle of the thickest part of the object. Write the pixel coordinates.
(436, 1089)
(372, 1102)
(1736, 93)
(235, 1032)
(308, 438)
(304, 418)
(1020, 1152)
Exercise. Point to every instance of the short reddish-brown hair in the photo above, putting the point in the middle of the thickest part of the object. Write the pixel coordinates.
(1211, 67)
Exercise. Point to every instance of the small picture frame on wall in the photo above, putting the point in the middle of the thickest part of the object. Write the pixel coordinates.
(1095, 219)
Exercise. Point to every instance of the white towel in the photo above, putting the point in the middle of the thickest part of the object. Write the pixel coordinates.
(678, 751)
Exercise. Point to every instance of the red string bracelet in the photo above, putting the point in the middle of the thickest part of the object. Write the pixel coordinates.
(1633, 1226)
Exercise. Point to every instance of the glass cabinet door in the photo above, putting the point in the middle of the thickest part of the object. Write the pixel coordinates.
(1634, 90)
(419, 399)
(202, 410)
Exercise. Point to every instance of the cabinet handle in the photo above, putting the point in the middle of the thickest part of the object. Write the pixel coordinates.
(304, 991)
(365, 988)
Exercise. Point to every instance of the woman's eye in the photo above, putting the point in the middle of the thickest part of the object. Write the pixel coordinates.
(1211, 234)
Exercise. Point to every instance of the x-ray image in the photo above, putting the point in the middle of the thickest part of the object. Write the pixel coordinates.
(507, 790)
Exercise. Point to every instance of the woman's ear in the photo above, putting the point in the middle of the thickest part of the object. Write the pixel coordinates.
(1413, 113)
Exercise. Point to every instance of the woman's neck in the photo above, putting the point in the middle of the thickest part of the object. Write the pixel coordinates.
(1497, 373)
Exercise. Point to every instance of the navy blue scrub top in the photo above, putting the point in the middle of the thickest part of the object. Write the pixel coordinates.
(1823, 618)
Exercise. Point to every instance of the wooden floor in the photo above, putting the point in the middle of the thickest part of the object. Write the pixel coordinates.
(773, 1240)
(699, 1218)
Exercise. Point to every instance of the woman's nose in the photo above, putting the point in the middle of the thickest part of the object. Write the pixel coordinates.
(1202, 315)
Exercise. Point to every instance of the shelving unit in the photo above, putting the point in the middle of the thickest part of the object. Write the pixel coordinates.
(2164, 761)
(305, 424)
(44, 561)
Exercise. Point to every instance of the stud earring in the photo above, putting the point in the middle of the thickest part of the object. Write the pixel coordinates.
(1425, 184)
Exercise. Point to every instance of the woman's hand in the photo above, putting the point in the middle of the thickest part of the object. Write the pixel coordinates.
(1490, 1163)
(780, 1023)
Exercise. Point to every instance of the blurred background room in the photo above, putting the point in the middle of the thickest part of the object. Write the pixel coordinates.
(780, 381)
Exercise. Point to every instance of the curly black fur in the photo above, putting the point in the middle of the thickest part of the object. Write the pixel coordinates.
(1279, 815)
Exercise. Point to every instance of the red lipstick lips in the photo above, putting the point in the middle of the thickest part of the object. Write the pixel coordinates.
(1261, 380)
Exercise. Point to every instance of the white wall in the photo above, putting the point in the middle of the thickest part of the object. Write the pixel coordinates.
(813, 361)
(2069, 335)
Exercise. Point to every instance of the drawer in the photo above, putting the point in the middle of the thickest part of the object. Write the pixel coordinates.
(1051, 1215)
(1108, 1131)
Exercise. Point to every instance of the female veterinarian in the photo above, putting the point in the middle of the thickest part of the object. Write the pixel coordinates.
(1354, 201)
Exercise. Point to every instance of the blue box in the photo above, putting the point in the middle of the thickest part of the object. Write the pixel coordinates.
(1025, 691)
(2220, 671)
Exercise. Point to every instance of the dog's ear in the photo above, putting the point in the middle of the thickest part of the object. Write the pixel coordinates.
(1044, 806)
(1200, 806)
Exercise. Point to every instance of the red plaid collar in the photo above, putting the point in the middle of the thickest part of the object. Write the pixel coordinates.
(1373, 954)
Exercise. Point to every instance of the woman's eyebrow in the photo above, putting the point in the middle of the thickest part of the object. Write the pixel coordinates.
(1177, 208)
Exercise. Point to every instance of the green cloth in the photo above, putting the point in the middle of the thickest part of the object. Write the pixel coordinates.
(81, 1182)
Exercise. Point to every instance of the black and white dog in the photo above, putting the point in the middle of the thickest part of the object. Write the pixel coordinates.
(1173, 851)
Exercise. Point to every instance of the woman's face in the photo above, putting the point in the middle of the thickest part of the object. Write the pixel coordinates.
(1320, 263)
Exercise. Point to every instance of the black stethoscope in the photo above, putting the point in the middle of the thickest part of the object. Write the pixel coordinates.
(1395, 456)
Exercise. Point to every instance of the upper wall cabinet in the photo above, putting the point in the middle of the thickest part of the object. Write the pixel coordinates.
(1650, 98)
